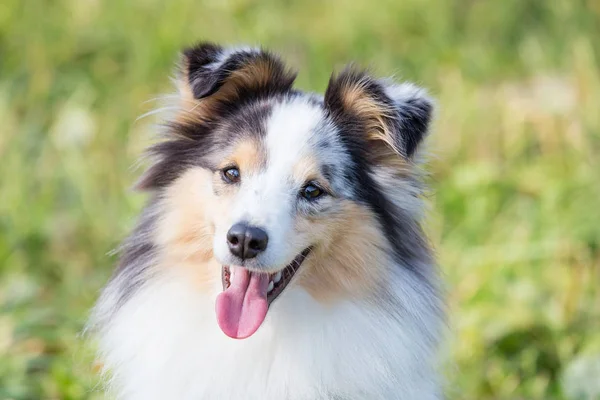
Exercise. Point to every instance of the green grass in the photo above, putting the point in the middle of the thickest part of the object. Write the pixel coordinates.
(515, 172)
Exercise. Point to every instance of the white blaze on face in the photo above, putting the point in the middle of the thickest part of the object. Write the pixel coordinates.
(267, 199)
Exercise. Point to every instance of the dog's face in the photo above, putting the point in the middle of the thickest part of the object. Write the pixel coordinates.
(276, 178)
(262, 183)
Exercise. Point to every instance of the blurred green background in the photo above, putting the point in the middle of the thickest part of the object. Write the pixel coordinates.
(515, 167)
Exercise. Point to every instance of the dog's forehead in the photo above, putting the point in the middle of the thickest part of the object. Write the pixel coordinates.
(293, 130)
(285, 136)
(302, 142)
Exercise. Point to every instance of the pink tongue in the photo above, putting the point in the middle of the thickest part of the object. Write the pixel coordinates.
(242, 307)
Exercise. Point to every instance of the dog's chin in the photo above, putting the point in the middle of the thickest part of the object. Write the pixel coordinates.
(278, 281)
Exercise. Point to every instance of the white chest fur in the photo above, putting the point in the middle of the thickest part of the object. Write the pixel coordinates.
(164, 343)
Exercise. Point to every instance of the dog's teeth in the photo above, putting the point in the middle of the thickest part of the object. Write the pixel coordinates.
(277, 277)
(271, 286)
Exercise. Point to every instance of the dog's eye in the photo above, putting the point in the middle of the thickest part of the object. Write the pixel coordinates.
(311, 192)
(231, 175)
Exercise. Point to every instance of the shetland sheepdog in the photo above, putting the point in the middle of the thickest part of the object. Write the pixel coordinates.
(280, 255)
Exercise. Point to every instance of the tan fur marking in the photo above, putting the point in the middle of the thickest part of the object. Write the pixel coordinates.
(248, 156)
(256, 74)
(307, 168)
(184, 231)
(355, 98)
(352, 261)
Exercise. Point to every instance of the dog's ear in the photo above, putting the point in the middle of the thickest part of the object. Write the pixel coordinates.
(213, 81)
(392, 118)
(212, 76)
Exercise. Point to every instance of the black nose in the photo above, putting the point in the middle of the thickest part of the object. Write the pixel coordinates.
(246, 241)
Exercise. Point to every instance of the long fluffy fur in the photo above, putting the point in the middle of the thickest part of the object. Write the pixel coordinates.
(363, 317)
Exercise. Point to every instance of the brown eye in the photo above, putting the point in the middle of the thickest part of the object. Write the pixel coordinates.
(231, 175)
(311, 192)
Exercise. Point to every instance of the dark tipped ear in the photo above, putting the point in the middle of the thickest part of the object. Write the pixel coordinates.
(212, 73)
(197, 69)
(414, 108)
(396, 115)
(213, 82)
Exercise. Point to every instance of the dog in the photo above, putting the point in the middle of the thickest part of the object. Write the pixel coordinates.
(280, 255)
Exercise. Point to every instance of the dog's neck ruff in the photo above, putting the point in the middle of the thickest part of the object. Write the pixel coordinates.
(164, 342)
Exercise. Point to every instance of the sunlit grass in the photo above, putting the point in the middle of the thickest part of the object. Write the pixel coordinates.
(515, 167)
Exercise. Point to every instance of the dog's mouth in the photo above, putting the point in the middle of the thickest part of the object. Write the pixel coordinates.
(242, 306)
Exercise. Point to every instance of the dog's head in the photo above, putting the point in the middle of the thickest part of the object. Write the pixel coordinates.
(261, 183)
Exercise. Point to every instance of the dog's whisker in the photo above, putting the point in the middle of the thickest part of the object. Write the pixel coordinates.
(155, 111)
(166, 97)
